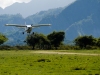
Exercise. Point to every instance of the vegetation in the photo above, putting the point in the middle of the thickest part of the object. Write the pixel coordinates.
(87, 42)
(29, 63)
(2, 38)
(54, 39)
(39, 40)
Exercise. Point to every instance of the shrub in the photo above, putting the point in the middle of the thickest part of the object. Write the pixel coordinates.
(23, 47)
(5, 47)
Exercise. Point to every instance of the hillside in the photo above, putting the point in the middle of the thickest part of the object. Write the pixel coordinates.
(80, 18)
(26, 9)
(14, 34)
(36, 18)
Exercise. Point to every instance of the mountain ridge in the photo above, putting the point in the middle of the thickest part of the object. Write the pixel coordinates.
(26, 9)
(80, 18)
(14, 33)
(77, 17)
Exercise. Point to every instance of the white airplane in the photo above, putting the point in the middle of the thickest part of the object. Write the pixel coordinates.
(28, 28)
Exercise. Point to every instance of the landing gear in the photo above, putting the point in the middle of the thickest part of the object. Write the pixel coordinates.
(24, 41)
(23, 32)
(33, 33)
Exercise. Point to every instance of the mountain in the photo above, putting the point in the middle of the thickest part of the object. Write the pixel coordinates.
(80, 18)
(6, 19)
(15, 34)
(36, 18)
(32, 19)
(17, 8)
(26, 9)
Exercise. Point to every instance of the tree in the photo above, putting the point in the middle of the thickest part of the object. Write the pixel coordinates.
(3, 38)
(43, 41)
(84, 41)
(56, 38)
(32, 40)
(37, 39)
(98, 42)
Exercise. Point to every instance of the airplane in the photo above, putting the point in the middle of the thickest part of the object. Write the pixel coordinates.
(28, 28)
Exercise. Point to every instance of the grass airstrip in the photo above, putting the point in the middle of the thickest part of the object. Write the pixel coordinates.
(63, 62)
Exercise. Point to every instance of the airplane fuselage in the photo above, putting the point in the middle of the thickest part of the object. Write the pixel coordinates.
(29, 29)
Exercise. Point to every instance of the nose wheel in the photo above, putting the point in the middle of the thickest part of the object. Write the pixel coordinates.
(33, 33)
(23, 32)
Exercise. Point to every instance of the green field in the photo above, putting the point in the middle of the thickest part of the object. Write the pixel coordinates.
(30, 63)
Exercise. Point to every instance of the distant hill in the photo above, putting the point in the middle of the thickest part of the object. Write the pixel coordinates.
(80, 18)
(14, 34)
(26, 9)
(36, 18)
(16, 8)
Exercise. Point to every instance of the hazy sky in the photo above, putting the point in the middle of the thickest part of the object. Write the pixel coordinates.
(50, 3)
(33, 6)
(5, 3)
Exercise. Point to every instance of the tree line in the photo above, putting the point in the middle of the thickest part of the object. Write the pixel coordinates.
(53, 41)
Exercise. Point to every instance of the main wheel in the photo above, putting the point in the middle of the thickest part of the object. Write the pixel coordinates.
(33, 32)
(23, 32)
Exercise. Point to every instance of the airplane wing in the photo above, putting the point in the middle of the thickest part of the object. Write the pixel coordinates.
(38, 25)
(16, 25)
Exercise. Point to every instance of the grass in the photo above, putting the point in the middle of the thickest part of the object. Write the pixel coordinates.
(27, 63)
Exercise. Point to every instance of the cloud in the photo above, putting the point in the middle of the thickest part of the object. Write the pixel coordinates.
(6, 3)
